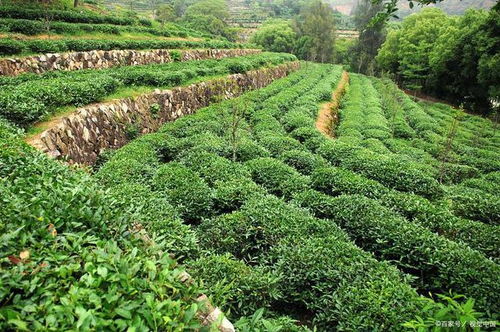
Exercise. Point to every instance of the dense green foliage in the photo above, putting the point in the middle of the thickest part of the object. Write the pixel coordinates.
(283, 227)
(315, 27)
(11, 47)
(32, 27)
(73, 259)
(66, 16)
(275, 36)
(23, 102)
(276, 255)
(310, 34)
(454, 58)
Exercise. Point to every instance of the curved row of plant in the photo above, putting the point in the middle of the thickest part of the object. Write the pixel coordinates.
(432, 133)
(261, 251)
(195, 163)
(25, 103)
(410, 246)
(436, 217)
(36, 46)
(32, 27)
(72, 16)
(364, 114)
(73, 259)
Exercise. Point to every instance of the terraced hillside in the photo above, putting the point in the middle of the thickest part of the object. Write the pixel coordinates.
(26, 31)
(388, 214)
(233, 189)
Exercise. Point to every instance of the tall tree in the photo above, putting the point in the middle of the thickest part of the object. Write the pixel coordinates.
(209, 16)
(371, 36)
(315, 28)
(275, 36)
(409, 48)
(165, 13)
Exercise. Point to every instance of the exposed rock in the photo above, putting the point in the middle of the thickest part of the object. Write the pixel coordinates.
(82, 136)
(105, 59)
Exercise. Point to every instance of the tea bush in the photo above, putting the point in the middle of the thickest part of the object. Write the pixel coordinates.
(69, 258)
(63, 15)
(441, 264)
(337, 268)
(475, 204)
(277, 177)
(390, 171)
(236, 287)
(33, 27)
(303, 161)
(185, 190)
(306, 252)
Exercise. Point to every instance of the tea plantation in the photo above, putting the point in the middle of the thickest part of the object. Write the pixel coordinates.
(388, 222)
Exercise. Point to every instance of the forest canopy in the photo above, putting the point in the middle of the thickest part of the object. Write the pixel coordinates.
(454, 58)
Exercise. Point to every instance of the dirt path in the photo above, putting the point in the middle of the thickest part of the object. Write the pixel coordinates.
(327, 115)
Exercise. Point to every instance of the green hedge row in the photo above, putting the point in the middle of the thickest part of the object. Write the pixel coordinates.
(392, 108)
(274, 239)
(74, 258)
(479, 236)
(264, 231)
(433, 128)
(67, 16)
(13, 47)
(30, 27)
(26, 102)
(336, 181)
(474, 204)
(361, 115)
(389, 170)
(489, 183)
(317, 264)
(440, 264)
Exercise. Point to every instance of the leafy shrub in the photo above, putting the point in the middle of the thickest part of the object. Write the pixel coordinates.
(234, 286)
(63, 15)
(296, 119)
(26, 102)
(439, 218)
(277, 145)
(277, 177)
(81, 45)
(257, 323)
(10, 47)
(185, 190)
(338, 181)
(439, 263)
(489, 183)
(80, 274)
(247, 149)
(238, 67)
(388, 170)
(230, 195)
(213, 168)
(175, 55)
(303, 161)
(475, 204)
(157, 217)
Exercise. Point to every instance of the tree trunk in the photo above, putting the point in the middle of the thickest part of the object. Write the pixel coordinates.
(75, 3)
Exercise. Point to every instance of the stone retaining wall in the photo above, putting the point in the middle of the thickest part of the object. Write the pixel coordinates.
(105, 59)
(81, 137)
